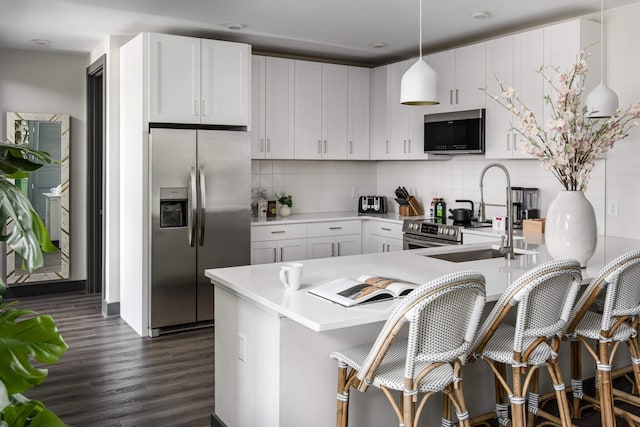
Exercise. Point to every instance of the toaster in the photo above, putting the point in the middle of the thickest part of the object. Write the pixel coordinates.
(372, 205)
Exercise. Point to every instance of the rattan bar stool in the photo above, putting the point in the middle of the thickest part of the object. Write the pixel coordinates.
(429, 360)
(544, 298)
(601, 328)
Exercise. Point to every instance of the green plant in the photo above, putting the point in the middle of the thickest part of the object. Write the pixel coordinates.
(35, 338)
(285, 199)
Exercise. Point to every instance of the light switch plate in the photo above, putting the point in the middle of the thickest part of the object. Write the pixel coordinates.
(612, 207)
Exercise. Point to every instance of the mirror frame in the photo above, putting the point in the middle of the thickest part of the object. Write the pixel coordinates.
(63, 272)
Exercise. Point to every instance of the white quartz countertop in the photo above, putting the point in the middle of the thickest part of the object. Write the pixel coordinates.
(261, 285)
(330, 216)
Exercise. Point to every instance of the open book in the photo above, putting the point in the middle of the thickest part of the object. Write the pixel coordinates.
(364, 289)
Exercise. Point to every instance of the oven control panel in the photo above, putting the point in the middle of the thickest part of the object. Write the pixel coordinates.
(430, 229)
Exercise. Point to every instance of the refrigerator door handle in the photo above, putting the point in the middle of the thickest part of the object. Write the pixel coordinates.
(202, 203)
(191, 229)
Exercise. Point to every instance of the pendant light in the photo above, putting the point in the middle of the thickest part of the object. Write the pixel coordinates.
(602, 100)
(419, 84)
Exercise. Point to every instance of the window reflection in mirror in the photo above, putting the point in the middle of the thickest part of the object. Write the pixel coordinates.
(47, 190)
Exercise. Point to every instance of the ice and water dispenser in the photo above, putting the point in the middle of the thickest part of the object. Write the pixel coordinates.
(174, 205)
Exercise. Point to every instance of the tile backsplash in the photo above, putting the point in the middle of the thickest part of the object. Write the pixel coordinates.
(316, 185)
(334, 186)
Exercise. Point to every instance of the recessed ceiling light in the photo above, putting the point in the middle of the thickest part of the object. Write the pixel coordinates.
(378, 45)
(40, 42)
(480, 15)
(235, 26)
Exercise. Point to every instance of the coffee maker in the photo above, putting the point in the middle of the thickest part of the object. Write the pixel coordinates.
(525, 205)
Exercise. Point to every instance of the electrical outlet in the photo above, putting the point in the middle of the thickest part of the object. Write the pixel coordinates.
(612, 207)
(241, 346)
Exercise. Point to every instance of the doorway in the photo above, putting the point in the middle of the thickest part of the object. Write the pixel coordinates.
(96, 98)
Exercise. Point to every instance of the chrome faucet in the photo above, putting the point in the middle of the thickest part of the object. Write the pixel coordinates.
(508, 249)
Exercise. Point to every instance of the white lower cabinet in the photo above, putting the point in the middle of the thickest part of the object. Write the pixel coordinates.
(278, 251)
(334, 238)
(278, 243)
(383, 236)
(328, 246)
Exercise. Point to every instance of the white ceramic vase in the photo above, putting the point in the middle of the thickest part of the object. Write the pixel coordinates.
(285, 210)
(571, 230)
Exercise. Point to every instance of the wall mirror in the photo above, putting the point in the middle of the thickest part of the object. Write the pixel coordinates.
(47, 190)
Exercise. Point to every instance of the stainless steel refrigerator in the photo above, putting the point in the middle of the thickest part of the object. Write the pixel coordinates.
(200, 218)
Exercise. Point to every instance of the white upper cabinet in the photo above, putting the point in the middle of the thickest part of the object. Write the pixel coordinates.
(225, 82)
(321, 106)
(562, 44)
(174, 79)
(198, 81)
(461, 73)
(358, 114)
(397, 129)
(515, 61)
(272, 108)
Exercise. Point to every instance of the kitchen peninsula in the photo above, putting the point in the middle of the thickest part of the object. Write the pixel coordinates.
(272, 346)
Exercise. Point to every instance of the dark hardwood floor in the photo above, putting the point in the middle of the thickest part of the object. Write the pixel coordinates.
(112, 377)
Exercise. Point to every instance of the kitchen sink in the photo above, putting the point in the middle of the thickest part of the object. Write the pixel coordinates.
(476, 254)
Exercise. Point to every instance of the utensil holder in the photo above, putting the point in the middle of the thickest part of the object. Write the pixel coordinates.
(407, 210)
(415, 205)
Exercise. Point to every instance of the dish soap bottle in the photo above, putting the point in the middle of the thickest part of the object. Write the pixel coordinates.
(441, 208)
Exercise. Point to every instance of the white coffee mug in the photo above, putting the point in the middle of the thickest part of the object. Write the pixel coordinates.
(291, 275)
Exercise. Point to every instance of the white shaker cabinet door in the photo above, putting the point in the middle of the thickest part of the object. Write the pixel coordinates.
(335, 111)
(225, 83)
(292, 250)
(358, 113)
(174, 79)
(257, 131)
(308, 110)
(264, 252)
(279, 108)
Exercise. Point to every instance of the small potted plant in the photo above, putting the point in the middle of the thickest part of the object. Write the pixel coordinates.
(286, 201)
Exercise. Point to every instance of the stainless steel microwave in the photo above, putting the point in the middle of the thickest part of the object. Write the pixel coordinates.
(458, 132)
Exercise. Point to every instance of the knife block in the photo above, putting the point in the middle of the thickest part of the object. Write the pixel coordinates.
(412, 209)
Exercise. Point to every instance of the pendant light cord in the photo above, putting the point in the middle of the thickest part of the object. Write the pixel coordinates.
(602, 40)
(420, 41)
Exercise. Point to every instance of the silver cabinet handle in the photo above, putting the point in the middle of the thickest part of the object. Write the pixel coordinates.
(338, 254)
(335, 228)
(278, 232)
(191, 229)
(451, 96)
(204, 107)
(508, 142)
(388, 246)
(325, 146)
(515, 143)
(404, 145)
(409, 145)
(385, 228)
(275, 259)
(268, 145)
(387, 146)
(332, 249)
(350, 147)
(457, 96)
(281, 254)
(383, 247)
(202, 203)
(262, 145)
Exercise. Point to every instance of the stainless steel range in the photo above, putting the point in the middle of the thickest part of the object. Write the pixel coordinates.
(424, 233)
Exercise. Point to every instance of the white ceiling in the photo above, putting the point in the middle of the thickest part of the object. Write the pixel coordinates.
(342, 30)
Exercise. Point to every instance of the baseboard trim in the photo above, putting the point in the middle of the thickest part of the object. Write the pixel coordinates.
(44, 288)
(216, 421)
(110, 309)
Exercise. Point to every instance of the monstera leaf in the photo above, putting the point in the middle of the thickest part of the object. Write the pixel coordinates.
(35, 337)
(32, 413)
(14, 161)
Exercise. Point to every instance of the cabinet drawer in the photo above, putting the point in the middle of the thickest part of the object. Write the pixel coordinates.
(387, 229)
(261, 233)
(334, 228)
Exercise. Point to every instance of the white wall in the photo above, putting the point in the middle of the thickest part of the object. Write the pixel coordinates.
(623, 165)
(38, 81)
(111, 48)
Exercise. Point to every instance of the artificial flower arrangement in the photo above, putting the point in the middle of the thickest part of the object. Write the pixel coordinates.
(571, 140)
